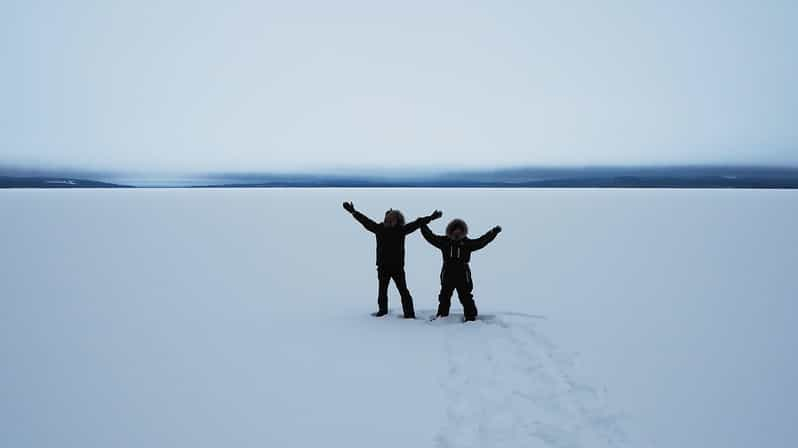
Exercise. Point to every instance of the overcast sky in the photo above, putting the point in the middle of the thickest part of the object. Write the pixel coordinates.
(193, 85)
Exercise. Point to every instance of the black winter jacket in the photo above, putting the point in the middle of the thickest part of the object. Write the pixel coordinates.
(456, 252)
(390, 240)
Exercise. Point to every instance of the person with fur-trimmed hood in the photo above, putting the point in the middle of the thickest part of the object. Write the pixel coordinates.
(456, 249)
(390, 234)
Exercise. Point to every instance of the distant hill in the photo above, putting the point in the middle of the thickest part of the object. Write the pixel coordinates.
(51, 182)
(589, 177)
(522, 177)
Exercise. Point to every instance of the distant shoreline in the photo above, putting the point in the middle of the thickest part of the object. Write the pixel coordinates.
(686, 177)
(27, 184)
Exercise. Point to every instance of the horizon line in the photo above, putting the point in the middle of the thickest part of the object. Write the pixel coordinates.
(332, 170)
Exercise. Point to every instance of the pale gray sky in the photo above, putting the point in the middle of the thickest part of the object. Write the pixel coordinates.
(184, 85)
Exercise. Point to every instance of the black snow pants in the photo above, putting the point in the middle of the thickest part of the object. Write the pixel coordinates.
(457, 276)
(398, 275)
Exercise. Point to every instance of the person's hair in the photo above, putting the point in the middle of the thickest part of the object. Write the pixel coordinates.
(400, 218)
(455, 224)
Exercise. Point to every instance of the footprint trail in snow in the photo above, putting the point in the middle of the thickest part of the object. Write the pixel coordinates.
(507, 385)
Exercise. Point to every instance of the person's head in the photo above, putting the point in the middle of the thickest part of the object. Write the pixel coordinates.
(457, 229)
(393, 218)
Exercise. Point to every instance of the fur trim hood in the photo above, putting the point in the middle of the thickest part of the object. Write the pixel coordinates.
(400, 218)
(455, 223)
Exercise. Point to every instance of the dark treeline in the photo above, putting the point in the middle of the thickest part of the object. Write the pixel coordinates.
(529, 177)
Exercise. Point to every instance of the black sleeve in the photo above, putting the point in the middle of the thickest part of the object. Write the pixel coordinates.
(413, 226)
(370, 225)
(435, 240)
(482, 241)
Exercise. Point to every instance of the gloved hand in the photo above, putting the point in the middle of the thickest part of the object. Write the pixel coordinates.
(497, 229)
(435, 215)
(349, 206)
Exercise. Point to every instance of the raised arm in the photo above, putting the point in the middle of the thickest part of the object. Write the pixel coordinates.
(424, 220)
(485, 239)
(370, 225)
(435, 240)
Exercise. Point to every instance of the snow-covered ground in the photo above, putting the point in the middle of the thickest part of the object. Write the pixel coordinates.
(240, 318)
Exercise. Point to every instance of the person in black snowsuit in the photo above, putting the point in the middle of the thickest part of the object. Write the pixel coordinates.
(390, 234)
(456, 250)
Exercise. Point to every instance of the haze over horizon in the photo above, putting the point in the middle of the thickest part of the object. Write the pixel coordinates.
(252, 86)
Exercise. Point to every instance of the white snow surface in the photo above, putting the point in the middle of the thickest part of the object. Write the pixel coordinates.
(235, 317)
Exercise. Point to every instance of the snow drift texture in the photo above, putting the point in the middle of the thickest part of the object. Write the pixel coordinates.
(240, 318)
